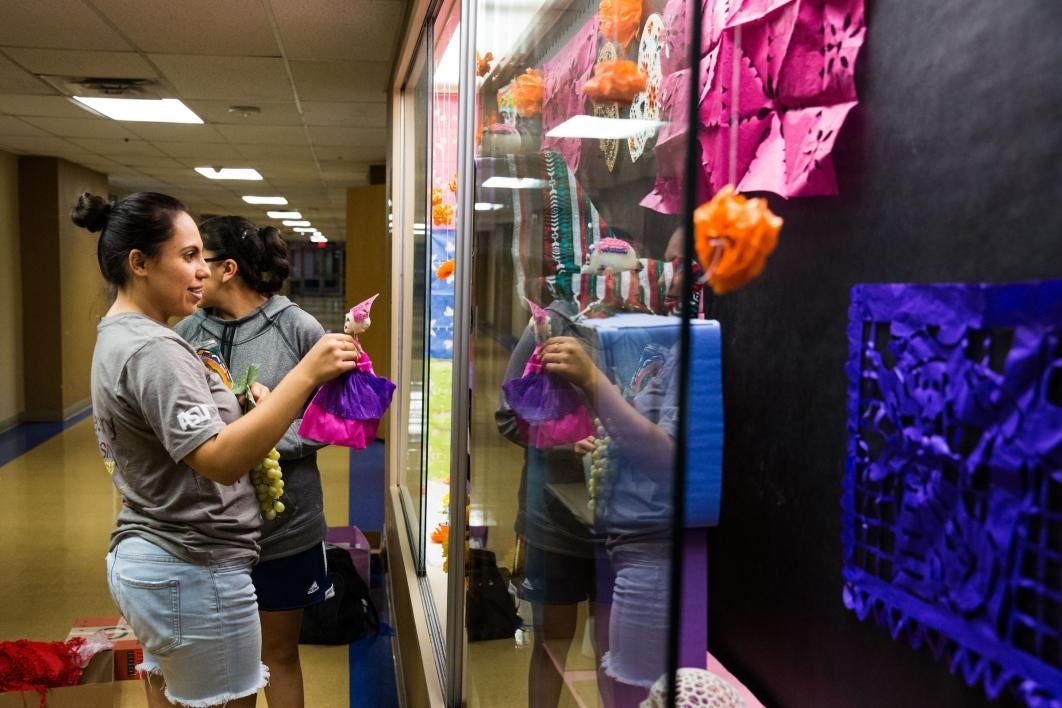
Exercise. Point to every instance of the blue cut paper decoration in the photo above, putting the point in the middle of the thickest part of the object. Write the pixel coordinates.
(441, 317)
(952, 502)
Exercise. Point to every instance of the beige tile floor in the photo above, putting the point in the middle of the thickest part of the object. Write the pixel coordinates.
(57, 507)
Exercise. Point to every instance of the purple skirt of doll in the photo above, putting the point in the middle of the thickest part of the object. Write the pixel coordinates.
(347, 410)
(552, 408)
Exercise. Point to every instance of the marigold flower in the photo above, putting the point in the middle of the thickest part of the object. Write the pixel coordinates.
(445, 270)
(619, 20)
(436, 196)
(527, 94)
(619, 81)
(733, 236)
(442, 215)
(483, 63)
(441, 533)
(453, 184)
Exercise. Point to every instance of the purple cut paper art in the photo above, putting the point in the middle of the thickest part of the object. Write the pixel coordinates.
(952, 499)
(796, 87)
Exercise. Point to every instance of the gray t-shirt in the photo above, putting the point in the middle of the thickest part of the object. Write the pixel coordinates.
(153, 403)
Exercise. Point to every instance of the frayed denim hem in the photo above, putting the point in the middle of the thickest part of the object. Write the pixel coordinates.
(610, 671)
(151, 671)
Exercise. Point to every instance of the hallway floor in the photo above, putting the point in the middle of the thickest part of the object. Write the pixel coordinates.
(58, 511)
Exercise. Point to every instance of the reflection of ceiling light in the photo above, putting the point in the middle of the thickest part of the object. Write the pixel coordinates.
(245, 111)
(318, 238)
(283, 215)
(603, 128)
(487, 206)
(229, 173)
(296, 222)
(514, 183)
(162, 110)
(305, 229)
(250, 199)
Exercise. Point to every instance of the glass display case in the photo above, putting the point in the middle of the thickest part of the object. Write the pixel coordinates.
(552, 310)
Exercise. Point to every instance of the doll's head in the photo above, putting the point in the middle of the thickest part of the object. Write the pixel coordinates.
(539, 320)
(357, 320)
(612, 255)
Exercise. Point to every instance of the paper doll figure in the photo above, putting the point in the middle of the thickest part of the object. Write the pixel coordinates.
(609, 259)
(551, 408)
(347, 410)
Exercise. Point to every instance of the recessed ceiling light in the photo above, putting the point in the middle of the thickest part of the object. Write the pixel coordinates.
(296, 222)
(283, 215)
(146, 110)
(305, 229)
(596, 127)
(497, 182)
(245, 173)
(318, 238)
(251, 199)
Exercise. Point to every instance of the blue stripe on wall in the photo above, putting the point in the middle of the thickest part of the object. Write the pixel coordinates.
(23, 438)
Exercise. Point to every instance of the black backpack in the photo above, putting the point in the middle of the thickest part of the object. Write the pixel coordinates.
(490, 612)
(347, 616)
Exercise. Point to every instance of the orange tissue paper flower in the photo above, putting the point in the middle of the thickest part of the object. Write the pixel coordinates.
(483, 63)
(453, 184)
(527, 94)
(733, 236)
(619, 20)
(442, 215)
(618, 81)
(436, 196)
(441, 534)
(445, 270)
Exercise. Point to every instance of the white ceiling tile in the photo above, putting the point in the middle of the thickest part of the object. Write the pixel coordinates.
(14, 79)
(271, 113)
(235, 79)
(267, 134)
(356, 137)
(368, 115)
(341, 80)
(30, 145)
(144, 162)
(71, 62)
(339, 29)
(278, 152)
(89, 126)
(202, 155)
(231, 27)
(30, 105)
(10, 125)
(175, 133)
(60, 24)
(112, 149)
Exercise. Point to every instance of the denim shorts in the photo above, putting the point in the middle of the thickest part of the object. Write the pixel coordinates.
(638, 621)
(198, 624)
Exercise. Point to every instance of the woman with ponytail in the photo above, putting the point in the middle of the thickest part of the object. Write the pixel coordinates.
(178, 451)
(243, 319)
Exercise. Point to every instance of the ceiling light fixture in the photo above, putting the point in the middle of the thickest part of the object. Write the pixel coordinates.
(305, 229)
(144, 110)
(296, 222)
(596, 127)
(250, 199)
(318, 238)
(244, 173)
(283, 215)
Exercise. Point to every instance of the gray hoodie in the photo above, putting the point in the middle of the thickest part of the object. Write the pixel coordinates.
(275, 336)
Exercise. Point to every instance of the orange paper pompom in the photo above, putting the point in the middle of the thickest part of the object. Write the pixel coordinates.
(483, 63)
(445, 270)
(619, 20)
(733, 236)
(453, 184)
(442, 214)
(441, 534)
(618, 81)
(527, 94)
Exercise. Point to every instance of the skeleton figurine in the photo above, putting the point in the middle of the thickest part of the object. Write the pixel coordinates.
(610, 258)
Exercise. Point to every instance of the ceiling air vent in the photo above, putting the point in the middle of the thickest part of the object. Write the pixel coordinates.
(109, 87)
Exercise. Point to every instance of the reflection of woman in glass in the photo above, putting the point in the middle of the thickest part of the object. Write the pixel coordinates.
(634, 511)
(559, 566)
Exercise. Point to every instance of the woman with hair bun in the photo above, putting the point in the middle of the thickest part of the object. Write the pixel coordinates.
(252, 325)
(178, 450)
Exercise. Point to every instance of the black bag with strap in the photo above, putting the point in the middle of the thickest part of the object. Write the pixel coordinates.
(348, 615)
(490, 611)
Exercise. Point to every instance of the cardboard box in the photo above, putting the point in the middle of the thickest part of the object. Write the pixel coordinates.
(127, 650)
(353, 540)
(96, 689)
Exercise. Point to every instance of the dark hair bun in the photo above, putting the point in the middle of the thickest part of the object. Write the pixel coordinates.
(91, 212)
(273, 263)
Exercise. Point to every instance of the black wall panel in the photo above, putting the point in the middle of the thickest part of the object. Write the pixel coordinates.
(950, 169)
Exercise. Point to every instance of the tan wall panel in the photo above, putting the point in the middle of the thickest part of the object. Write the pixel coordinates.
(368, 271)
(83, 296)
(11, 392)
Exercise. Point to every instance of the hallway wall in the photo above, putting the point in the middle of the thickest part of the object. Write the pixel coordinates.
(11, 392)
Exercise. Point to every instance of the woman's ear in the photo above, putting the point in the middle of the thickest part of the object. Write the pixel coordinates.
(230, 270)
(137, 262)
